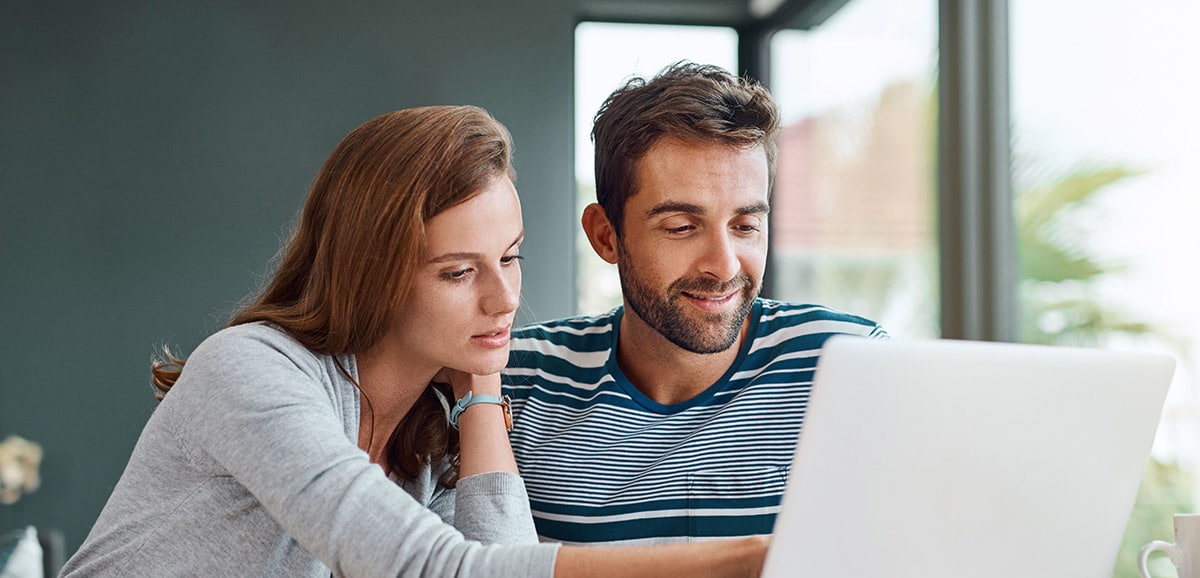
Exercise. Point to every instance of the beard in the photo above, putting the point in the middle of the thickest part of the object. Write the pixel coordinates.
(687, 328)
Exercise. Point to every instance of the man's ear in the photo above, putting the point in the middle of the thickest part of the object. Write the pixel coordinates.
(600, 232)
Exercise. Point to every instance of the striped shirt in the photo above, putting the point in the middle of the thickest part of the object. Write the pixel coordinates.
(603, 463)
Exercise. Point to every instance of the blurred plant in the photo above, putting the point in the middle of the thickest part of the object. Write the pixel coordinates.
(1059, 277)
(1058, 271)
(1165, 491)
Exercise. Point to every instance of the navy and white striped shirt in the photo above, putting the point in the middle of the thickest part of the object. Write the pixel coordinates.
(603, 463)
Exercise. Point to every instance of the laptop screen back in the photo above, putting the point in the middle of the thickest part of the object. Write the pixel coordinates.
(953, 458)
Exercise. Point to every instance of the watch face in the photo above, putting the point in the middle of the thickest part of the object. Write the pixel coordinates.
(506, 404)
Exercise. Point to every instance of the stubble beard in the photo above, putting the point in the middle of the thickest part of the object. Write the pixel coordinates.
(687, 328)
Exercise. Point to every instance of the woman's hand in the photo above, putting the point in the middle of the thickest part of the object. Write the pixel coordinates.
(482, 427)
(462, 382)
(735, 558)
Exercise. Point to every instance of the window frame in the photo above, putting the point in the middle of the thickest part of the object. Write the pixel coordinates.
(978, 272)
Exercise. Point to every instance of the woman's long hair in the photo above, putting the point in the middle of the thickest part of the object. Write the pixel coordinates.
(348, 267)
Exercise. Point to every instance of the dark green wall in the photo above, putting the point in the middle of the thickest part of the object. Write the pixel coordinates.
(153, 155)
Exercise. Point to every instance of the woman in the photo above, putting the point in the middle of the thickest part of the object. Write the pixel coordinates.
(311, 435)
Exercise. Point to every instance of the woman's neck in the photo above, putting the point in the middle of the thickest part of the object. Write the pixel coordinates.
(389, 387)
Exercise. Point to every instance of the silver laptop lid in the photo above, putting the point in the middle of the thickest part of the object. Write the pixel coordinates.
(953, 458)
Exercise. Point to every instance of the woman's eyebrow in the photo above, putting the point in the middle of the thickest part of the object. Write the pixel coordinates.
(469, 256)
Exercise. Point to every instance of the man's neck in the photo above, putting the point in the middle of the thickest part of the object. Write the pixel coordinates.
(665, 372)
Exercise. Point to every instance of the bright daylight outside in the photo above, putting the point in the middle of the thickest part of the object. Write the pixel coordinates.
(606, 55)
(1106, 183)
(1107, 188)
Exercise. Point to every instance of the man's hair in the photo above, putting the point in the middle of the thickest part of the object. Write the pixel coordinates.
(693, 103)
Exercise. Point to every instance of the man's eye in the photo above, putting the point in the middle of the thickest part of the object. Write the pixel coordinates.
(680, 229)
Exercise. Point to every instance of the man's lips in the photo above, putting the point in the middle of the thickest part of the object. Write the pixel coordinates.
(714, 298)
(711, 303)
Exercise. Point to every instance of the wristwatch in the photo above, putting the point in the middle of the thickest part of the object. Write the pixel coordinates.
(471, 399)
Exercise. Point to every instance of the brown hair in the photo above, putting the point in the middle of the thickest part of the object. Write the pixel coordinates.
(348, 266)
(687, 101)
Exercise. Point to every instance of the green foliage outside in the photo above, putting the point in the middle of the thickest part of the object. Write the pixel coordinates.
(1058, 289)
(1165, 491)
(1058, 272)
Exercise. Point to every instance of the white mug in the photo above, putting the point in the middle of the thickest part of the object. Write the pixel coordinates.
(1184, 553)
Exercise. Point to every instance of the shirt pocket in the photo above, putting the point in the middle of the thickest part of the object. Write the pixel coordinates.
(734, 502)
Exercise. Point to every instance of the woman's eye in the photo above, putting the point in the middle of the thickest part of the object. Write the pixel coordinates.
(511, 259)
(456, 275)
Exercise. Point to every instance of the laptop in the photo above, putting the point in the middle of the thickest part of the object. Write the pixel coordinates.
(947, 458)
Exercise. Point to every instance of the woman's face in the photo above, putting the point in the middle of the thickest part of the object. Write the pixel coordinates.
(466, 291)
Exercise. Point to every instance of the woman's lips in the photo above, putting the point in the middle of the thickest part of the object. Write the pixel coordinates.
(492, 339)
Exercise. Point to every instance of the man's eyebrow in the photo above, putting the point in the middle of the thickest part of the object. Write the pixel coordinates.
(675, 207)
(755, 209)
(691, 209)
(467, 256)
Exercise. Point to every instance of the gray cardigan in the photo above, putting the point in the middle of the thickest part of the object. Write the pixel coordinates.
(250, 467)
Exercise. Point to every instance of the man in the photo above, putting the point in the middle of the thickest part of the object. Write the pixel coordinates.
(674, 417)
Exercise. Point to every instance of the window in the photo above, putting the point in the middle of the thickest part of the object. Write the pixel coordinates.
(605, 56)
(1106, 184)
(853, 214)
(1104, 178)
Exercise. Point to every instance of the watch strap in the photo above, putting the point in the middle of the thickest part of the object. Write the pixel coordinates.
(471, 399)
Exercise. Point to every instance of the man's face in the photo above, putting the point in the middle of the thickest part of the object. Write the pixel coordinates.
(694, 242)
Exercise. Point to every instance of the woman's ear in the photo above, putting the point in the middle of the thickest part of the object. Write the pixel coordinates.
(600, 232)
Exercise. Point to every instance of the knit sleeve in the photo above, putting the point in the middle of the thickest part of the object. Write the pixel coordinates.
(493, 508)
(257, 404)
